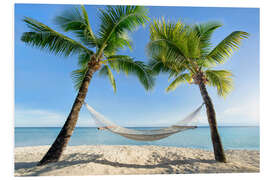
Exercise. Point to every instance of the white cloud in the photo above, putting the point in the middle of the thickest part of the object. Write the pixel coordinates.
(241, 112)
(37, 117)
(28, 117)
(248, 110)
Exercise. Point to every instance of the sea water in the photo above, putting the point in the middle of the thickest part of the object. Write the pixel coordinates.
(232, 137)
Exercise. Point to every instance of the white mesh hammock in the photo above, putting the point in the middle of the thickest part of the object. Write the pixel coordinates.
(144, 135)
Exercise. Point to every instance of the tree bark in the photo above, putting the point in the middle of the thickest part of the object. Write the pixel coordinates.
(211, 115)
(57, 148)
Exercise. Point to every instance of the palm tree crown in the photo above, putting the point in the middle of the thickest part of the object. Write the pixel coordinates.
(100, 47)
(186, 52)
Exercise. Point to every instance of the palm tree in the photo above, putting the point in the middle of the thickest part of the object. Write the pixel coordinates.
(187, 54)
(95, 51)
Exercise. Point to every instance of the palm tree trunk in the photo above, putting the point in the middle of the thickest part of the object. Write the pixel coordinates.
(211, 115)
(55, 151)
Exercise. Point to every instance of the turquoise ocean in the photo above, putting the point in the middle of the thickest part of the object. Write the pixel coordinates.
(232, 137)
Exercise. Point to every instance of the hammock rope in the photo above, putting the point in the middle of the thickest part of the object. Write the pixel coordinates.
(144, 135)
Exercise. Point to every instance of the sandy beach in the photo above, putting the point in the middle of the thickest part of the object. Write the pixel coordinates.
(109, 160)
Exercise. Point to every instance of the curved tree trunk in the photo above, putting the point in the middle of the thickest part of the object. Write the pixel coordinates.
(63, 137)
(211, 115)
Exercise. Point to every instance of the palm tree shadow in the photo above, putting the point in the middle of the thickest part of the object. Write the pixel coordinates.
(21, 165)
(68, 161)
(163, 162)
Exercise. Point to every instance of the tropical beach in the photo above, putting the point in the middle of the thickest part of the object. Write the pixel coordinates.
(86, 156)
(120, 160)
(178, 108)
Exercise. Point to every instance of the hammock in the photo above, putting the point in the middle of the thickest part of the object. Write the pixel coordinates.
(144, 135)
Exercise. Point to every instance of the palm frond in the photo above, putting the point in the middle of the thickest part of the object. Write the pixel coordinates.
(184, 77)
(204, 63)
(165, 50)
(83, 59)
(139, 69)
(227, 46)
(163, 36)
(105, 71)
(44, 37)
(180, 39)
(116, 43)
(205, 31)
(118, 20)
(77, 22)
(167, 56)
(158, 67)
(161, 29)
(78, 77)
(221, 79)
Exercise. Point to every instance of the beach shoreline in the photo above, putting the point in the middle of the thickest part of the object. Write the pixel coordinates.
(132, 159)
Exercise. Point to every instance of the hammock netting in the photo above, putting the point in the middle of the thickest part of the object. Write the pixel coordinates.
(144, 135)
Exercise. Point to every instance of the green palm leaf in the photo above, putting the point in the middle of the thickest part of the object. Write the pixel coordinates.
(184, 77)
(77, 22)
(158, 67)
(116, 21)
(84, 59)
(163, 37)
(205, 31)
(105, 71)
(221, 79)
(180, 39)
(169, 58)
(44, 37)
(78, 77)
(165, 50)
(226, 47)
(126, 64)
(117, 43)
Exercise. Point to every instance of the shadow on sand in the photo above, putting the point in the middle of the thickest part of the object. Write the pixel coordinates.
(71, 160)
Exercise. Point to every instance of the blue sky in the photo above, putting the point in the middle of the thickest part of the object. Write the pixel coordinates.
(44, 91)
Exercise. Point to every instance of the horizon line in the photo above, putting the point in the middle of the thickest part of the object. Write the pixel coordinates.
(133, 126)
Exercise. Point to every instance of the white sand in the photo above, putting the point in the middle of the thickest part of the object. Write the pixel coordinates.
(105, 160)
